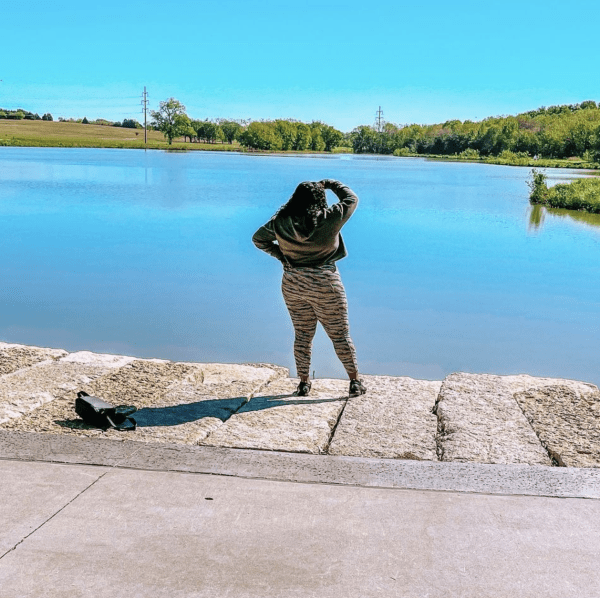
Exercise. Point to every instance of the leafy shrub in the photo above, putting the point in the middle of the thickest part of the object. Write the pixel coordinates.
(538, 186)
(469, 154)
(580, 194)
(401, 151)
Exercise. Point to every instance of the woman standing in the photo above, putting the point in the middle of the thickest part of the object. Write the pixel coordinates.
(305, 236)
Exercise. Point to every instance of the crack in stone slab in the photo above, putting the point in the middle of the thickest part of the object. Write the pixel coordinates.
(479, 421)
(334, 428)
(282, 422)
(566, 421)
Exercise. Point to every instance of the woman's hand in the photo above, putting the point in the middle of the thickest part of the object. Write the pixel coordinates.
(326, 183)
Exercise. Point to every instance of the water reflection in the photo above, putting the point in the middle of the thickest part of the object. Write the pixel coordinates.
(583, 217)
(537, 215)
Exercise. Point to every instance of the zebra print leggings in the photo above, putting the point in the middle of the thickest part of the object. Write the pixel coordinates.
(317, 295)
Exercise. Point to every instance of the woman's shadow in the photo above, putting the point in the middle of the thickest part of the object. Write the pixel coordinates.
(221, 409)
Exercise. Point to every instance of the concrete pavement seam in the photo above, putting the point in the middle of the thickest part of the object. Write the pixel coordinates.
(52, 516)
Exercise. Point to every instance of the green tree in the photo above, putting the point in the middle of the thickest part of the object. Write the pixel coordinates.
(303, 137)
(261, 136)
(85, 121)
(171, 119)
(316, 138)
(331, 137)
(286, 130)
(231, 130)
(131, 123)
(208, 130)
(190, 132)
(364, 140)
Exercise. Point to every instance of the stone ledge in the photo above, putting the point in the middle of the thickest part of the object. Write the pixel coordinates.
(525, 480)
(479, 417)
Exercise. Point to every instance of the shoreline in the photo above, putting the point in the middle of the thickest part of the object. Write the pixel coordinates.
(592, 168)
(464, 418)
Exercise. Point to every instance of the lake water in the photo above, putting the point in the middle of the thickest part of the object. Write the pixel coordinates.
(150, 254)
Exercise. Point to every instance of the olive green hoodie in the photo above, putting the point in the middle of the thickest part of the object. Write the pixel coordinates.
(288, 239)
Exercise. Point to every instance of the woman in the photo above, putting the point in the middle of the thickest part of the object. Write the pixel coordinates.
(305, 236)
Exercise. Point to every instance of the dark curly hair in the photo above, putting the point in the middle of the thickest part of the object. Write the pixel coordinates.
(306, 202)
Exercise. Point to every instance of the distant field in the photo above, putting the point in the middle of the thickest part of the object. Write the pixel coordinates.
(39, 133)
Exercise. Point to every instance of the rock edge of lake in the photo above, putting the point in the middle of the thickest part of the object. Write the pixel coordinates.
(477, 418)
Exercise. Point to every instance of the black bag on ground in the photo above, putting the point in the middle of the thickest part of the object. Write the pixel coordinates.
(99, 413)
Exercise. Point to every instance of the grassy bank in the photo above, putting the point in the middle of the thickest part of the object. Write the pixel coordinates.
(580, 194)
(37, 133)
(513, 160)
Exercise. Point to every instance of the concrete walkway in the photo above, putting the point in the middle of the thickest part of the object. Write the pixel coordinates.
(319, 526)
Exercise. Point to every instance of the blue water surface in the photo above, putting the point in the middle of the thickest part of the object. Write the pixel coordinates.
(150, 254)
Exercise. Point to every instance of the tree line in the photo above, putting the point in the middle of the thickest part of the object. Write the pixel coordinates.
(554, 132)
(278, 135)
(20, 114)
(559, 132)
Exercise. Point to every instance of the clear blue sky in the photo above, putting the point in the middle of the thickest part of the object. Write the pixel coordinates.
(329, 60)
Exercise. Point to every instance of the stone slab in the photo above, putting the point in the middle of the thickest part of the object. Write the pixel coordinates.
(394, 420)
(31, 493)
(177, 402)
(527, 480)
(277, 420)
(522, 382)
(480, 421)
(180, 535)
(29, 388)
(567, 422)
(15, 357)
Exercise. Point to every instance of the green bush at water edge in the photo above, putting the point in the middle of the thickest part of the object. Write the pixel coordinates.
(580, 194)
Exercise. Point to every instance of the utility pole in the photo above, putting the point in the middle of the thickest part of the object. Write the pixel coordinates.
(145, 106)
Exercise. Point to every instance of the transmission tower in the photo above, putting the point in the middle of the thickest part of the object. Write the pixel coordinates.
(379, 122)
(144, 110)
(379, 127)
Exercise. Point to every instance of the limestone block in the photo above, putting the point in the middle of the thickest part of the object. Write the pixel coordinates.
(279, 421)
(16, 357)
(177, 402)
(480, 421)
(567, 422)
(392, 421)
(522, 382)
(27, 389)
